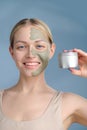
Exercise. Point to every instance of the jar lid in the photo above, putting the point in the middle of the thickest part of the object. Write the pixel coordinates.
(68, 53)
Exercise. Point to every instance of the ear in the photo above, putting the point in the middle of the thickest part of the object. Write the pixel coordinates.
(52, 50)
(11, 51)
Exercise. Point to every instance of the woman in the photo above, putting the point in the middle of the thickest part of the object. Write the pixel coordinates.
(31, 104)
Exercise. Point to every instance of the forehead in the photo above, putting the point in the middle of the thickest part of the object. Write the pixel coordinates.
(30, 32)
(36, 34)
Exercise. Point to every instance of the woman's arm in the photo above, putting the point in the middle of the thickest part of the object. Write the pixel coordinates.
(74, 109)
(75, 105)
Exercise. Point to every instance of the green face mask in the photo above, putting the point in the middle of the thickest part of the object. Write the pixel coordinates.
(44, 55)
(44, 58)
(37, 34)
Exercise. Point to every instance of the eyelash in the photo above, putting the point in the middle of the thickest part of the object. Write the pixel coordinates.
(40, 46)
(21, 47)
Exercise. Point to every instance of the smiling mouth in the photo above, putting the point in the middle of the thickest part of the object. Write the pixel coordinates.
(31, 65)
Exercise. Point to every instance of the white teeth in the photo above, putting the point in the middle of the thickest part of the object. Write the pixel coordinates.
(35, 63)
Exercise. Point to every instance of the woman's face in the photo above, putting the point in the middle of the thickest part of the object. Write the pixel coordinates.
(31, 50)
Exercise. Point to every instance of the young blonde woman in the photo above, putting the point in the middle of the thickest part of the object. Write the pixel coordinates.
(32, 104)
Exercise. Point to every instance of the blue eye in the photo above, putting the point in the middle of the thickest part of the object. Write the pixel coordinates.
(40, 46)
(21, 47)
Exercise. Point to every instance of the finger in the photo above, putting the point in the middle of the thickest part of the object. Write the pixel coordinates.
(75, 71)
(79, 51)
(80, 62)
(65, 50)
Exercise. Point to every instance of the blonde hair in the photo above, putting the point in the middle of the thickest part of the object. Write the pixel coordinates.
(34, 22)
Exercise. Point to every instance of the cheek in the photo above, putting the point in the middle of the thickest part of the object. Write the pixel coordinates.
(17, 56)
(44, 57)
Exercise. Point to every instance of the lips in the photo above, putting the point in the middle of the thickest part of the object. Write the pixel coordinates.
(31, 65)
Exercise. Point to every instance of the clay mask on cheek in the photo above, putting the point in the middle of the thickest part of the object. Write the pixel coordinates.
(37, 34)
(44, 58)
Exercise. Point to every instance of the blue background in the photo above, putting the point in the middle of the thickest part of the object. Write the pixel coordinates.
(67, 20)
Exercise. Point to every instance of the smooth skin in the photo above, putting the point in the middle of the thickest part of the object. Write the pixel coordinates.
(32, 90)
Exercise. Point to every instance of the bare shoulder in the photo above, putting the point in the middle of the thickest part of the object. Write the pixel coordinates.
(73, 100)
(73, 103)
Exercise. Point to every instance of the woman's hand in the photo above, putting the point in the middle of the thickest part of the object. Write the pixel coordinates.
(82, 61)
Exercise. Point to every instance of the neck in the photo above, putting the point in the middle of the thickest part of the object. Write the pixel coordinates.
(31, 84)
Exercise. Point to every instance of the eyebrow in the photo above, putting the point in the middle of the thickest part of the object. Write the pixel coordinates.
(20, 41)
(39, 40)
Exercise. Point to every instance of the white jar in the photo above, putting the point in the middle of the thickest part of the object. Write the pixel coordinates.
(68, 60)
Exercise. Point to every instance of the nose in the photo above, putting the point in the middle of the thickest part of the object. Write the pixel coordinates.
(30, 53)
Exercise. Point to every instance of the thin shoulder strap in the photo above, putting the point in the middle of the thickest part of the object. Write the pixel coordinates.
(58, 96)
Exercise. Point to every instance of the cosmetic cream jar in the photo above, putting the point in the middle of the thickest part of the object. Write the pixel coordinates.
(68, 60)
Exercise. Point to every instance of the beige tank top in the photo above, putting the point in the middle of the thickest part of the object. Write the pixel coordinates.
(50, 120)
